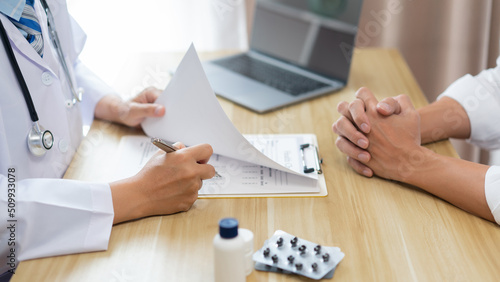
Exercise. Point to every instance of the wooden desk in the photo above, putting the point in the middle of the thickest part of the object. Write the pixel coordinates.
(388, 231)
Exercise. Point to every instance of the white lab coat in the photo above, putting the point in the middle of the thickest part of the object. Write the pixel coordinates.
(54, 216)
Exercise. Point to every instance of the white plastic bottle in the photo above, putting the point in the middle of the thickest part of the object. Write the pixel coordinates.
(229, 257)
(247, 236)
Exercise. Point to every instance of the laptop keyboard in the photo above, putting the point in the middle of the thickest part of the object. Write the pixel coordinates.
(284, 80)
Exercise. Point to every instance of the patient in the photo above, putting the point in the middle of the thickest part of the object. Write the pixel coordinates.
(384, 139)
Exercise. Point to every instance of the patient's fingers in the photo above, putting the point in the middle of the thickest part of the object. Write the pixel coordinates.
(344, 128)
(357, 110)
(343, 109)
(405, 102)
(359, 167)
(389, 106)
(351, 150)
(367, 97)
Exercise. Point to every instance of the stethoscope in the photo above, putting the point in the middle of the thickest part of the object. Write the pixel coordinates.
(39, 139)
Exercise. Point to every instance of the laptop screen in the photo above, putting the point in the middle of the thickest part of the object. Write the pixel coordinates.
(317, 35)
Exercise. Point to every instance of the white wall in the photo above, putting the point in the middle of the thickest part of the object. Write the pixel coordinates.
(118, 29)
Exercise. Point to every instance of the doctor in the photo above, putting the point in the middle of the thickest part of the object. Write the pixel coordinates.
(42, 215)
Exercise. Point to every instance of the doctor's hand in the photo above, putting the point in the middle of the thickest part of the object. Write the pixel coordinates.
(354, 123)
(131, 112)
(167, 184)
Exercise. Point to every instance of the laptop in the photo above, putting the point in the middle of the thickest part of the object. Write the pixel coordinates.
(298, 50)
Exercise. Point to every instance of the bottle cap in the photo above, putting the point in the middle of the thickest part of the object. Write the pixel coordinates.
(228, 228)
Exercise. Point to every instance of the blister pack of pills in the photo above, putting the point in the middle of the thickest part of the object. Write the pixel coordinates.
(286, 253)
(264, 267)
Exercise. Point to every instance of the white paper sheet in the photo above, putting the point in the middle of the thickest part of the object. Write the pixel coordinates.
(194, 115)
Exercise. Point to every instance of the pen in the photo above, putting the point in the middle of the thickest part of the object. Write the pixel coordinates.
(169, 148)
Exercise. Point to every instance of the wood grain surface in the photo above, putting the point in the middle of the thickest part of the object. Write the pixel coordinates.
(388, 231)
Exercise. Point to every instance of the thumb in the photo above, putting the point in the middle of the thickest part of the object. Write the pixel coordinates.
(389, 106)
(405, 103)
(179, 145)
(146, 110)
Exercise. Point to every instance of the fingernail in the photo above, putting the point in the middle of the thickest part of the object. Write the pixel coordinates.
(362, 143)
(365, 127)
(367, 172)
(363, 157)
(158, 110)
(385, 107)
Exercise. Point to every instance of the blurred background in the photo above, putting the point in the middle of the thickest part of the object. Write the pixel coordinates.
(440, 40)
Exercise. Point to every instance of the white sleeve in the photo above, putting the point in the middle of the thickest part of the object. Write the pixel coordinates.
(480, 97)
(492, 191)
(50, 217)
(94, 88)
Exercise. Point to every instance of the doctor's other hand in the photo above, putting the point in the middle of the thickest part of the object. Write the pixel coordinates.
(167, 184)
(131, 112)
(354, 123)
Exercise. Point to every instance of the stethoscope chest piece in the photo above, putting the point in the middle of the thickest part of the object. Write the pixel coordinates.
(39, 140)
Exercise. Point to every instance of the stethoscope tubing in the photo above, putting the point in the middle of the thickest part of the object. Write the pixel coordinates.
(19, 74)
(39, 139)
(57, 44)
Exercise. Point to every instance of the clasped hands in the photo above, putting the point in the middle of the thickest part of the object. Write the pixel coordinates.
(380, 138)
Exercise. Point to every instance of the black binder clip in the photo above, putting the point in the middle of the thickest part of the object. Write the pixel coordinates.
(317, 160)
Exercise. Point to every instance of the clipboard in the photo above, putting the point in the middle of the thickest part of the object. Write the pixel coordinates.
(240, 179)
(308, 160)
